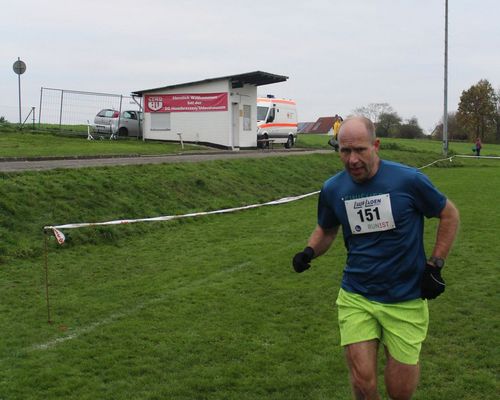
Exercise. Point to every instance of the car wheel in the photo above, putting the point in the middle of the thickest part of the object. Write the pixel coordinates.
(289, 142)
(123, 131)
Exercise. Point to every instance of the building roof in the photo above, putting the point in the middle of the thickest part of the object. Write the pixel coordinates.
(323, 125)
(257, 78)
(305, 127)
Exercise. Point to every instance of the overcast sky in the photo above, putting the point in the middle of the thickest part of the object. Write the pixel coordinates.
(338, 55)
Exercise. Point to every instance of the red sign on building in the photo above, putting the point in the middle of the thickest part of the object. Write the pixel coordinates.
(187, 102)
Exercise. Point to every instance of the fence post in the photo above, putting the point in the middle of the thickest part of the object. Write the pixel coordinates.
(40, 108)
(180, 138)
(60, 110)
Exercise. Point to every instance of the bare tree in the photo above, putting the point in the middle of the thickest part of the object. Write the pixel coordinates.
(374, 110)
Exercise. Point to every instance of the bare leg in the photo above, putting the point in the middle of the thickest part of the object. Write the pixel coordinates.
(401, 380)
(362, 362)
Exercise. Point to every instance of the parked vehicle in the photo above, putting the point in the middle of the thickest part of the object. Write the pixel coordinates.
(276, 121)
(111, 122)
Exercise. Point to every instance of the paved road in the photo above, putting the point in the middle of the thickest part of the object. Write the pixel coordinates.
(45, 164)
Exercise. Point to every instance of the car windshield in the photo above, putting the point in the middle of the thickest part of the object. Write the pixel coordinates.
(107, 113)
(261, 113)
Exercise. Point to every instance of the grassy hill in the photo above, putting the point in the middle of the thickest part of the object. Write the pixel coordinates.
(209, 308)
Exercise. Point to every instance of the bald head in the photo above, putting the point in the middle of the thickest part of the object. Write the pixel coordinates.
(359, 124)
(358, 148)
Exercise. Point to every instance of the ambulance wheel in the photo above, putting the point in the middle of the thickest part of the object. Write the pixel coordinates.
(265, 143)
(289, 142)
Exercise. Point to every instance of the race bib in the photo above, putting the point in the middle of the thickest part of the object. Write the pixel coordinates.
(370, 214)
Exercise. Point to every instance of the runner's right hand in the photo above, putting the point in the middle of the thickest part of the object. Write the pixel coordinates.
(301, 261)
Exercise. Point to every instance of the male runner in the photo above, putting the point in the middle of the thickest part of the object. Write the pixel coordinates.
(387, 278)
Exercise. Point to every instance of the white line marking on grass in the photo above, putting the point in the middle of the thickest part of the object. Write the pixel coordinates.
(113, 317)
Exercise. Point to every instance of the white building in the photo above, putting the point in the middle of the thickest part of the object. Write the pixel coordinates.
(219, 111)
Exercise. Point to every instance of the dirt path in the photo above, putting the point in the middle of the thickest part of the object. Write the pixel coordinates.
(45, 164)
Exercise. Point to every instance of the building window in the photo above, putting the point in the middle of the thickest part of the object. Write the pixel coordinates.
(247, 118)
(160, 121)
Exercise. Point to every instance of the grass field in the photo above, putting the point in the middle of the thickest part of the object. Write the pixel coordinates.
(209, 308)
(24, 144)
(28, 143)
(426, 145)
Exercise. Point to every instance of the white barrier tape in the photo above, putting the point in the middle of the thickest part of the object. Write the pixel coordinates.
(59, 235)
(434, 162)
(464, 156)
(457, 155)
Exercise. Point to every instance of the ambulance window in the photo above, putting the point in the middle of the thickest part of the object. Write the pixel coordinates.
(272, 115)
(261, 113)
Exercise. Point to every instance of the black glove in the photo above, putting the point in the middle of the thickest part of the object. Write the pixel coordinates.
(301, 260)
(432, 283)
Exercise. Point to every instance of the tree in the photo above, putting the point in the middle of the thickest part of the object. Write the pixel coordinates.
(388, 124)
(455, 130)
(477, 110)
(497, 117)
(373, 111)
(411, 130)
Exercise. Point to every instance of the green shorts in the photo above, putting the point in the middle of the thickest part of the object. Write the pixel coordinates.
(401, 327)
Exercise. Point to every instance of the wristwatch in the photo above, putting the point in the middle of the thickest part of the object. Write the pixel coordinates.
(437, 262)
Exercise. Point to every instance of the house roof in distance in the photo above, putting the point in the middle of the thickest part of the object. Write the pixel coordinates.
(257, 78)
(305, 127)
(323, 125)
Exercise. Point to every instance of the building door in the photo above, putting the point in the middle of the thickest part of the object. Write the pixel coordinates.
(235, 126)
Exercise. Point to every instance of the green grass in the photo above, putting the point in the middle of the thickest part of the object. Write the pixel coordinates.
(29, 144)
(209, 308)
(424, 145)
(48, 142)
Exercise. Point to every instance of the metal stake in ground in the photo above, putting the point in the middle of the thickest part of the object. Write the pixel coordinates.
(45, 234)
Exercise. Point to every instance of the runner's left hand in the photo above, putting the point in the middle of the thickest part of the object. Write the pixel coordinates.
(432, 282)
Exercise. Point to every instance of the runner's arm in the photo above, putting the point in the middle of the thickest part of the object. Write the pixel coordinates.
(321, 239)
(449, 219)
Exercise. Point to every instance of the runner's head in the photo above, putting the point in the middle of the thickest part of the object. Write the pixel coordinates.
(358, 147)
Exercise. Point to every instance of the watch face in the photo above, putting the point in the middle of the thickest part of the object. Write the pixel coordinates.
(438, 262)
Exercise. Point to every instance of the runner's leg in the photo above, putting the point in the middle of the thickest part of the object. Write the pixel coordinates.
(362, 362)
(401, 380)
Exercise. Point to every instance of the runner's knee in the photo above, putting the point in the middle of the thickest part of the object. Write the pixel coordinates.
(364, 380)
(399, 393)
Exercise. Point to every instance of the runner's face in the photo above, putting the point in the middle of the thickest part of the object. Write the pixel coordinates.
(357, 151)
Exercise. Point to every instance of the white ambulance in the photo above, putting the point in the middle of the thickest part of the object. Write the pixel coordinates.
(276, 121)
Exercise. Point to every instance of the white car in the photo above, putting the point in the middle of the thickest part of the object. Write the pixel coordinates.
(111, 122)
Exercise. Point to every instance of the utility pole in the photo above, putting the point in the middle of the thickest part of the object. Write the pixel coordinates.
(445, 113)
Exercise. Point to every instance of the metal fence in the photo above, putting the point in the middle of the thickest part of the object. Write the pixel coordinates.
(72, 110)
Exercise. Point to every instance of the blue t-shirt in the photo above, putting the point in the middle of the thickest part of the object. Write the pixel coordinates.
(385, 265)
